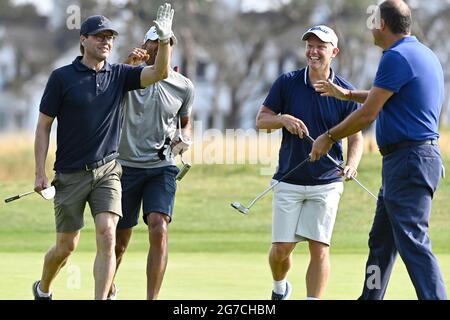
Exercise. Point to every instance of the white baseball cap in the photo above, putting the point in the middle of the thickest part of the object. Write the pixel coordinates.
(324, 33)
(153, 35)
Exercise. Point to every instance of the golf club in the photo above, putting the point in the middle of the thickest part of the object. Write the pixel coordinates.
(47, 194)
(243, 209)
(184, 169)
(311, 140)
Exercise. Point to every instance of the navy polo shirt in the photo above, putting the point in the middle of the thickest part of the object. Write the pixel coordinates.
(414, 74)
(87, 104)
(293, 94)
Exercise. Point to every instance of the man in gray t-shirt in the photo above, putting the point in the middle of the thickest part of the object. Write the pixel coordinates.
(152, 116)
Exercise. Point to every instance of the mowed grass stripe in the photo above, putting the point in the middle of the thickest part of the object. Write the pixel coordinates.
(200, 276)
(204, 220)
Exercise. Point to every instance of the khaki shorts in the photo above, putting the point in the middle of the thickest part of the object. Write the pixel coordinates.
(300, 213)
(100, 188)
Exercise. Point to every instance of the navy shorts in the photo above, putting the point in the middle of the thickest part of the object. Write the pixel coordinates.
(155, 188)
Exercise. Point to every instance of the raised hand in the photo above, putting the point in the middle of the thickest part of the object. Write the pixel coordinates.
(137, 56)
(329, 89)
(163, 22)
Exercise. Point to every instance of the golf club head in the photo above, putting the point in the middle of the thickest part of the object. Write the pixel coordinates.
(239, 207)
(183, 171)
(48, 193)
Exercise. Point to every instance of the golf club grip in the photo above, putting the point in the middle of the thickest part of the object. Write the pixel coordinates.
(12, 198)
(311, 140)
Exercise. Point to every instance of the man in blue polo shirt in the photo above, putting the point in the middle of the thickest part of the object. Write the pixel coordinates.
(306, 203)
(85, 97)
(407, 97)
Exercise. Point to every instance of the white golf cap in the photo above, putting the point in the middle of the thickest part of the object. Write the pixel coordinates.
(153, 35)
(324, 33)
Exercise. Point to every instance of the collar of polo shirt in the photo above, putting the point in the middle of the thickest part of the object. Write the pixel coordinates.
(332, 75)
(81, 67)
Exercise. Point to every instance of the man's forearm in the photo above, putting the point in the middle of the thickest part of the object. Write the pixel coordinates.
(354, 149)
(269, 121)
(41, 143)
(356, 121)
(364, 116)
(186, 131)
(162, 59)
(160, 70)
(359, 96)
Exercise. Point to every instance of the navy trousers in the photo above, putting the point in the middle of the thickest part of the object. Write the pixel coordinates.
(409, 179)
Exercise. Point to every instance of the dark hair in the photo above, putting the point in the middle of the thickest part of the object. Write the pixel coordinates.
(81, 46)
(397, 16)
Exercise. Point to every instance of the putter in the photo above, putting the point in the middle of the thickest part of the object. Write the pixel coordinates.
(244, 210)
(184, 169)
(337, 164)
(47, 194)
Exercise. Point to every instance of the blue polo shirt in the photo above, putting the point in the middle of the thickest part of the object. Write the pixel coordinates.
(414, 74)
(293, 94)
(87, 104)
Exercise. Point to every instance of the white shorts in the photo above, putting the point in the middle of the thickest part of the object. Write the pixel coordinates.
(300, 213)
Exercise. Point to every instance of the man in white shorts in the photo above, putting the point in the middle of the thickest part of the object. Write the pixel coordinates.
(306, 202)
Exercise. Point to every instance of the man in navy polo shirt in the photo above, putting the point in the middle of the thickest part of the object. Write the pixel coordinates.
(407, 97)
(85, 97)
(305, 204)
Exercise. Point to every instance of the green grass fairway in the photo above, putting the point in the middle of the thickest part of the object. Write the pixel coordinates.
(215, 252)
(198, 276)
(204, 220)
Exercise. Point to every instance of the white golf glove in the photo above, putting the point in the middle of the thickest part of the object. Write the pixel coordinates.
(163, 22)
(179, 145)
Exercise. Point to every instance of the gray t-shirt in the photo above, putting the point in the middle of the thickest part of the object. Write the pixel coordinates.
(151, 115)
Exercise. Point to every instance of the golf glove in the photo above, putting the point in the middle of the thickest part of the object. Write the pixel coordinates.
(163, 22)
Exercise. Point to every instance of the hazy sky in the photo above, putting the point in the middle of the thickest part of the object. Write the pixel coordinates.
(46, 6)
(43, 6)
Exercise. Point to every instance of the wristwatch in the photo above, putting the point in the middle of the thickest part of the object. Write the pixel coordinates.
(330, 136)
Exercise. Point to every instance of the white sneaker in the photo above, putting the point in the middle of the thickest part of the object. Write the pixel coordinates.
(114, 291)
(285, 295)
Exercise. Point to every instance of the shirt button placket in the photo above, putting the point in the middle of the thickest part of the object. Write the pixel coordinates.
(97, 85)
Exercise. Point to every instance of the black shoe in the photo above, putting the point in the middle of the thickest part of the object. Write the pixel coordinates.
(36, 294)
(285, 295)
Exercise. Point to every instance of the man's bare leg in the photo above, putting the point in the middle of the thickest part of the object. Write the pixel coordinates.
(122, 240)
(318, 269)
(280, 259)
(158, 253)
(105, 260)
(56, 257)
